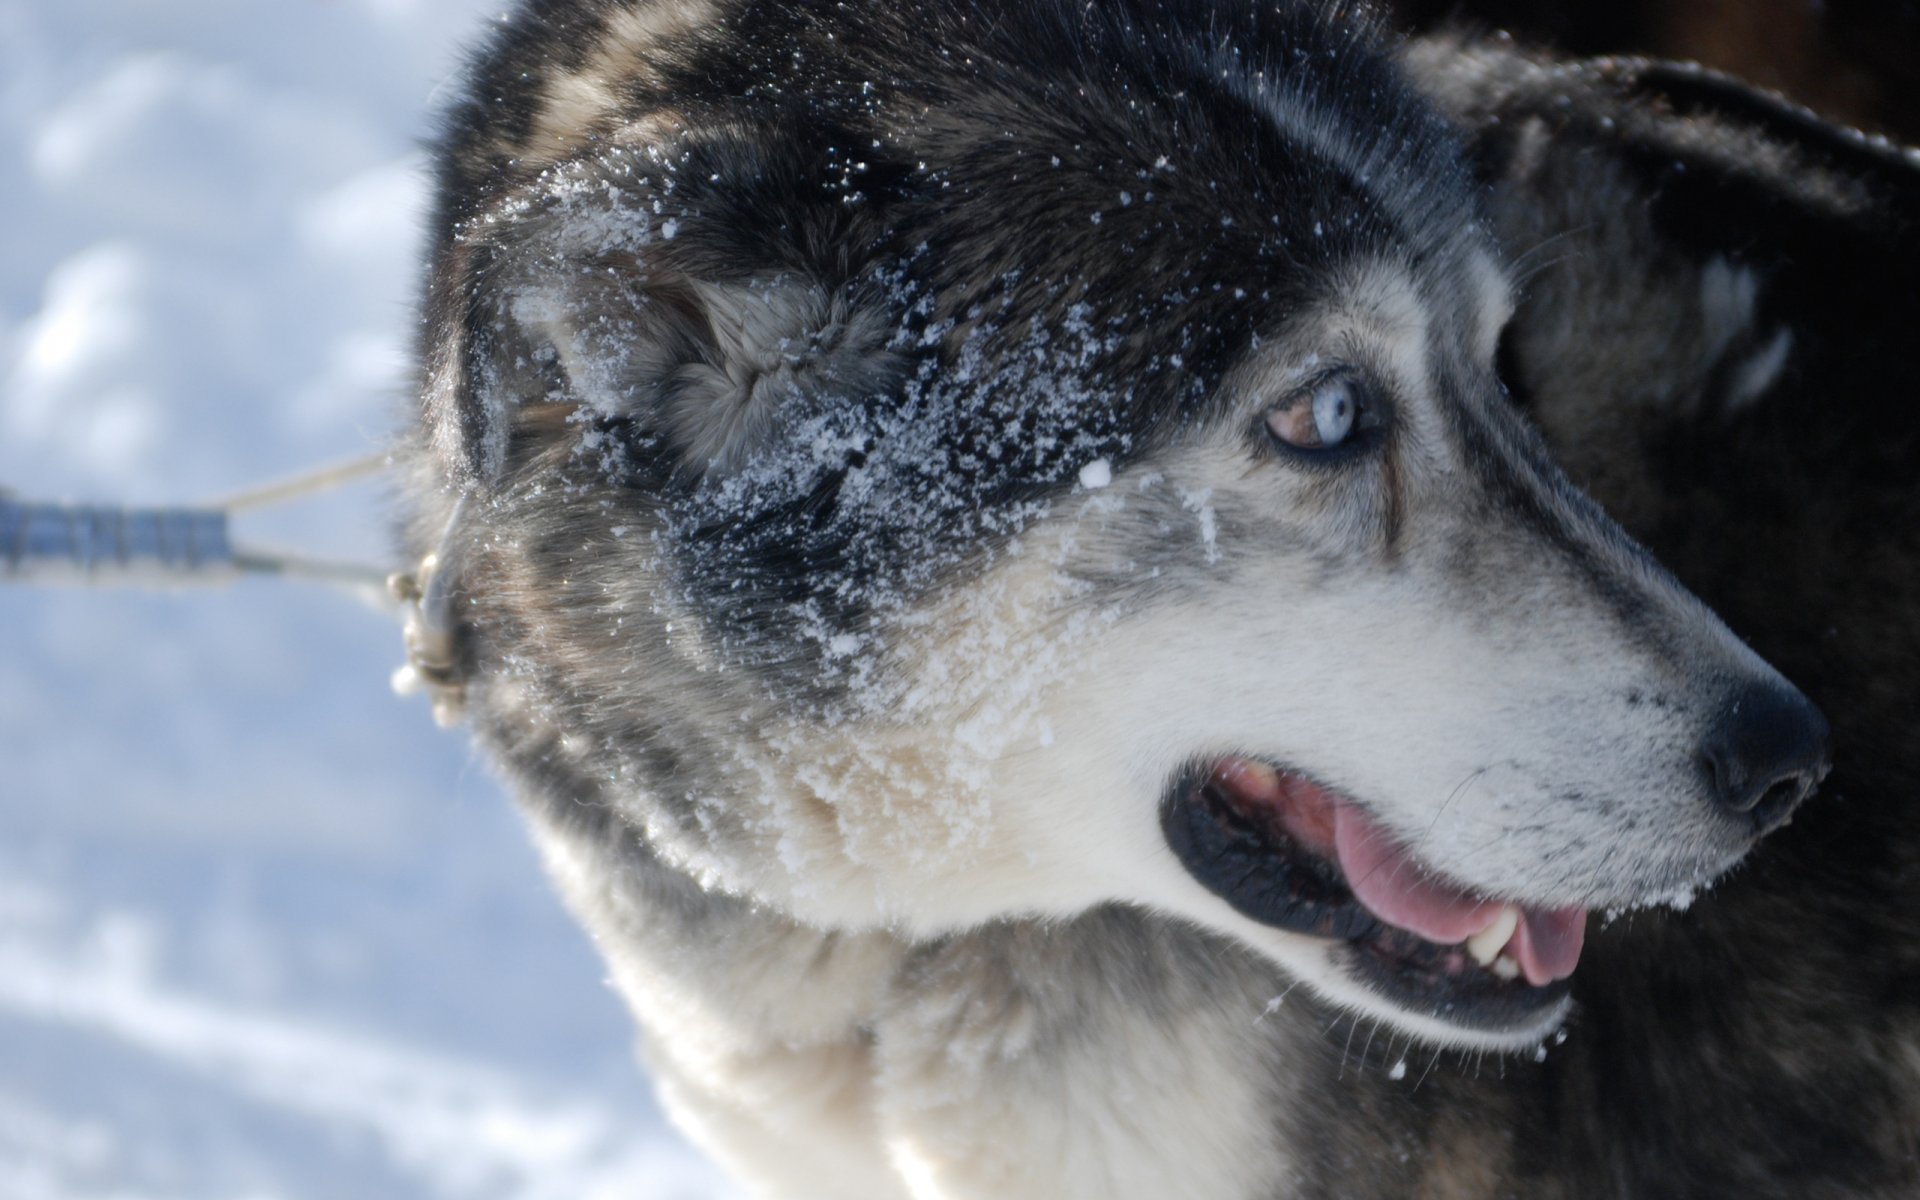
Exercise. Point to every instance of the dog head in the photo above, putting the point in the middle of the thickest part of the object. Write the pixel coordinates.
(1010, 459)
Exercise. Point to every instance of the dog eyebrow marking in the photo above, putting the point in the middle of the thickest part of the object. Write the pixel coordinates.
(1728, 296)
(1759, 372)
(1729, 309)
(1496, 306)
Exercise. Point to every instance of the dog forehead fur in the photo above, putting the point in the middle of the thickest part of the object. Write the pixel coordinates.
(768, 342)
(1096, 129)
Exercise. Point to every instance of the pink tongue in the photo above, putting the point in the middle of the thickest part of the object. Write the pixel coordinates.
(1546, 945)
(1397, 890)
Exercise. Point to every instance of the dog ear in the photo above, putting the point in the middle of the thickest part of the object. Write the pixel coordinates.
(1699, 259)
(1716, 326)
(676, 294)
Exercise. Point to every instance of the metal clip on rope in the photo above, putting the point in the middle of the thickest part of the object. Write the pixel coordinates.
(432, 630)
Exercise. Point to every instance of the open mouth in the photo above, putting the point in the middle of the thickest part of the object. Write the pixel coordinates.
(1288, 853)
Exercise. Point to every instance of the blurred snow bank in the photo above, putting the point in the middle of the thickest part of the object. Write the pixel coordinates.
(286, 1089)
(264, 932)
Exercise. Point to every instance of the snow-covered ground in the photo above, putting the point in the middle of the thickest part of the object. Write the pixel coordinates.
(264, 930)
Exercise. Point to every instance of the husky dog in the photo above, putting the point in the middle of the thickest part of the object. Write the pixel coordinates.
(990, 541)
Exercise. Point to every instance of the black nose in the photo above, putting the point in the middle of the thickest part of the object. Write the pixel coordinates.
(1767, 752)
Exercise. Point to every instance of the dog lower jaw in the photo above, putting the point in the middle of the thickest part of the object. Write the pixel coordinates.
(1440, 964)
(1327, 969)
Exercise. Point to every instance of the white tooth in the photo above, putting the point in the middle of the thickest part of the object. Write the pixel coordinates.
(1260, 773)
(1506, 968)
(1488, 943)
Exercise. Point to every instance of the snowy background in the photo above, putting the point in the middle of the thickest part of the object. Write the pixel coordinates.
(264, 930)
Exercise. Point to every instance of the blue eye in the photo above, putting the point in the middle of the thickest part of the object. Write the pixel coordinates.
(1334, 408)
(1319, 418)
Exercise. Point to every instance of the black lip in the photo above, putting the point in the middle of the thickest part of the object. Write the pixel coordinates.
(1412, 972)
(1265, 876)
(1251, 868)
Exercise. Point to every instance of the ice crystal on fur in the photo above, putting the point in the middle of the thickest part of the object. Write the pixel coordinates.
(881, 496)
